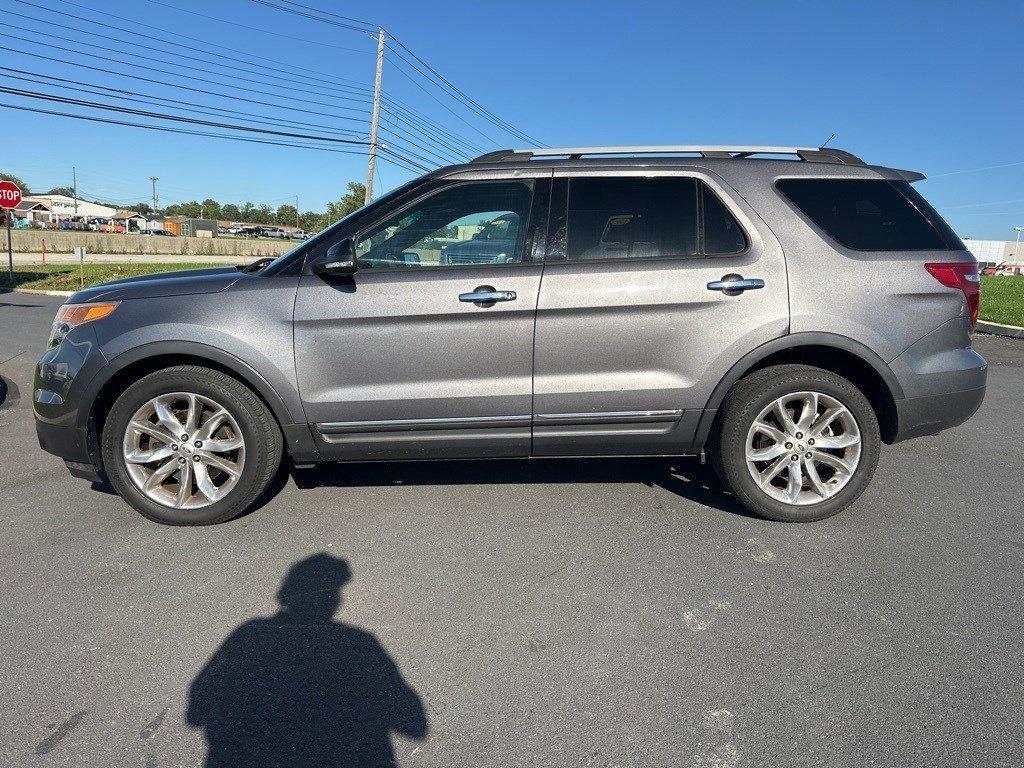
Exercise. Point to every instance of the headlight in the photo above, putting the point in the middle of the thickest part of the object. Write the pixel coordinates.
(71, 316)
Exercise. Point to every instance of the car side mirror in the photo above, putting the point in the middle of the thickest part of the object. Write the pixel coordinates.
(340, 259)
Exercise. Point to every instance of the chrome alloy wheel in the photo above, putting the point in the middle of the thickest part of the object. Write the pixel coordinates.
(803, 448)
(184, 450)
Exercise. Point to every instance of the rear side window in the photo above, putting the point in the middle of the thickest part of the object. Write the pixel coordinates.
(631, 218)
(622, 218)
(871, 214)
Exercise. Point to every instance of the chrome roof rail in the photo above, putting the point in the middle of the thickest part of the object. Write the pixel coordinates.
(721, 151)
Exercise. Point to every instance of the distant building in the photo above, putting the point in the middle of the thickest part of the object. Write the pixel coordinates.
(186, 227)
(33, 211)
(995, 251)
(63, 206)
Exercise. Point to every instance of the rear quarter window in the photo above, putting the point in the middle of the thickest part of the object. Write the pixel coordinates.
(871, 214)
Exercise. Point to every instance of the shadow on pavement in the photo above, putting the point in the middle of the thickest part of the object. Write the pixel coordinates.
(684, 477)
(301, 689)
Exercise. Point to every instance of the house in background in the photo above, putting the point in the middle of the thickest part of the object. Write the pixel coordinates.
(63, 206)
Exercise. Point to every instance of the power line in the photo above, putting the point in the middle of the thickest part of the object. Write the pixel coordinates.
(144, 98)
(417, 62)
(175, 118)
(469, 100)
(347, 91)
(185, 131)
(436, 155)
(178, 73)
(366, 28)
(329, 82)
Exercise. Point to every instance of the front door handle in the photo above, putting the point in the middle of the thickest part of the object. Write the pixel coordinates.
(734, 285)
(486, 296)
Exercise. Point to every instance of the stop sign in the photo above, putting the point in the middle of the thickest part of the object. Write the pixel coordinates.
(10, 194)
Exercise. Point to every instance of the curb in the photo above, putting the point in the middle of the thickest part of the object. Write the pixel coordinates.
(44, 293)
(998, 329)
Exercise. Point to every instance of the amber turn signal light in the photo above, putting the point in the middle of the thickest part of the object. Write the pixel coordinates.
(76, 314)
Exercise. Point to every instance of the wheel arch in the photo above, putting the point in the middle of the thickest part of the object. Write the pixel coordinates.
(840, 354)
(130, 366)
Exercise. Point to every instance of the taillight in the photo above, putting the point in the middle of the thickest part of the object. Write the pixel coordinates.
(962, 275)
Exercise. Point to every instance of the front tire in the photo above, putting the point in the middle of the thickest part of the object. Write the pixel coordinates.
(796, 443)
(189, 445)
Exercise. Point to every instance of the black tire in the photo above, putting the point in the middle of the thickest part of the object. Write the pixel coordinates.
(263, 442)
(756, 392)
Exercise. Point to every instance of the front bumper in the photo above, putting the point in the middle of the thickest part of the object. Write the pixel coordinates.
(62, 407)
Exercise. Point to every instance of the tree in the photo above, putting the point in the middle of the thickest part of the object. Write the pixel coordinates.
(350, 201)
(21, 184)
(230, 212)
(286, 214)
(66, 191)
(211, 208)
(142, 208)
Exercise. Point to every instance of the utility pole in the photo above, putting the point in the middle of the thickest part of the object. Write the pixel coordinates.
(74, 187)
(371, 163)
(1016, 245)
(156, 205)
(296, 210)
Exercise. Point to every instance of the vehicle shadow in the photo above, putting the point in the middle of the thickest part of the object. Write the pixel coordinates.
(301, 689)
(684, 477)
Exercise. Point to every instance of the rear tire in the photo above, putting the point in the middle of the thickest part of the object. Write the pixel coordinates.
(225, 476)
(798, 479)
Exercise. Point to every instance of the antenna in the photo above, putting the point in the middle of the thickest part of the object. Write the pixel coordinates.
(828, 140)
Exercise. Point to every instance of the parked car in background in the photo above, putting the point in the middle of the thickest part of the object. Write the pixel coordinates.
(783, 317)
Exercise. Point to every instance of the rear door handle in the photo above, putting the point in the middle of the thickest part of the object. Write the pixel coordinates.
(734, 285)
(486, 296)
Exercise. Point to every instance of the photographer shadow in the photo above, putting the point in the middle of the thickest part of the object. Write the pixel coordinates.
(301, 689)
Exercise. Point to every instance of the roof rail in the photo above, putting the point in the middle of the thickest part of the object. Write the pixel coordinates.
(726, 151)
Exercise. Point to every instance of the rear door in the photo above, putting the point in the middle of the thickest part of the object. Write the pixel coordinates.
(417, 357)
(633, 327)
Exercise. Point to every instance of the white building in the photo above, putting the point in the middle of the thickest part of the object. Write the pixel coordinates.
(62, 206)
(995, 251)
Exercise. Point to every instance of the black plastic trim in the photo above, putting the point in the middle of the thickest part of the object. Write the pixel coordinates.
(790, 341)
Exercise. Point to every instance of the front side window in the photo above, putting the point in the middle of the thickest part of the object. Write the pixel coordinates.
(471, 223)
(871, 214)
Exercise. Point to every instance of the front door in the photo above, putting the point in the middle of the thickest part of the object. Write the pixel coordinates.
(631, 338)
(427, 351)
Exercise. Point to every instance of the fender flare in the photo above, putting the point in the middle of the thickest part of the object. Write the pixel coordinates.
(783, 343)
(242, 370)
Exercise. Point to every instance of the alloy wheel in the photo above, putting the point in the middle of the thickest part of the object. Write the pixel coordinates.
(184, 450)
(803, 448)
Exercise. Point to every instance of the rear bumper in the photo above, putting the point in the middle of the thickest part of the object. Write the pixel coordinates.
(928, 414)
(943, 381)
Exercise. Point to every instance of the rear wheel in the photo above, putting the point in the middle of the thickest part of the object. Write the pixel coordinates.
(190, 446)
(796, 443)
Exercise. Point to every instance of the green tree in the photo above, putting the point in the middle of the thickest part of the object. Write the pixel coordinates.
(143, 208)
(231, 212)
(21, 184)
(285, 214)
(66, 191)
(211, 208)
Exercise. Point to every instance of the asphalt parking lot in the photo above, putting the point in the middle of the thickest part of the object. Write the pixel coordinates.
(513, 613)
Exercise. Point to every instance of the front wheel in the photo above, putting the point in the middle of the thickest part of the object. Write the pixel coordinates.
(190, 446)
(796, 443)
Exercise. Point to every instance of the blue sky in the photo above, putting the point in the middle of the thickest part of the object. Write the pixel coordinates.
(930, 86)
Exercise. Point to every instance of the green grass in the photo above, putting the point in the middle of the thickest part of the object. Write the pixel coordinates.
(1002, 299)
(66, 277)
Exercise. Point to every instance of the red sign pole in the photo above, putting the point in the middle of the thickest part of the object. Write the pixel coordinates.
(10, 196)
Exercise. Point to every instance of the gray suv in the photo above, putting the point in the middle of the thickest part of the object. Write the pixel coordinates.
(784, 310)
